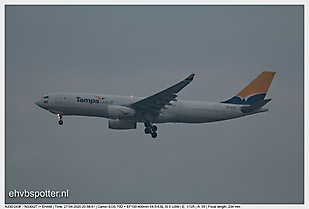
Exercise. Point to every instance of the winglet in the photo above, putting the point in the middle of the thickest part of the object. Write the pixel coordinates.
(190, 77)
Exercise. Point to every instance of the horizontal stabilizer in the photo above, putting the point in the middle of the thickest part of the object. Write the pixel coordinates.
(254, 106)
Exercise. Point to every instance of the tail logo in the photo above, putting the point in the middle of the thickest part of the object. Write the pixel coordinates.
(190, 77)
(247, 100)
(254, 91)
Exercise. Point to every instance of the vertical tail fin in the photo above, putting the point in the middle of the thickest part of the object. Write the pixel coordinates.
(254, 91)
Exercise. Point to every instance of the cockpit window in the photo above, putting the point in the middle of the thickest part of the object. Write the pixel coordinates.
(46, 97)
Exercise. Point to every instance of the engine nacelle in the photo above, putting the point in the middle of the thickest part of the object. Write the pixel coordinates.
(119, 124)
(116, 112)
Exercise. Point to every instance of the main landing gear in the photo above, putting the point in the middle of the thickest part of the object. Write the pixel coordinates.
(150, 129)
(60, 119)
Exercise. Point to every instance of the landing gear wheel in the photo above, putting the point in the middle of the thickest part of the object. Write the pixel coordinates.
(147, 130)
(60, 122)
(150, 129)
(154, 134)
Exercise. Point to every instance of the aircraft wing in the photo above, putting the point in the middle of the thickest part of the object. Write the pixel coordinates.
(156, 102)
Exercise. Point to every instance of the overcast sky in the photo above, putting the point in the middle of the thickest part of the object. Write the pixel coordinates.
(141, 50)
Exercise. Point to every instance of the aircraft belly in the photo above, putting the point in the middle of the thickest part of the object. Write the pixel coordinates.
(80, 109)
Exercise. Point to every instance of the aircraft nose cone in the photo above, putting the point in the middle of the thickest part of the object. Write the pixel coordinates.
(37, 102)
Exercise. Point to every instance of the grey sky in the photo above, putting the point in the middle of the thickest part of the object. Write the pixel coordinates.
(141, 50)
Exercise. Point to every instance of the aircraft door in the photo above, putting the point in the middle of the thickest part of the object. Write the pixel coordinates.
(65, 98)
(59, 98)
(62, 98)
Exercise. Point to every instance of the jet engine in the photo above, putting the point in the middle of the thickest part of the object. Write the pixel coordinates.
(120, 124)
(117, 112)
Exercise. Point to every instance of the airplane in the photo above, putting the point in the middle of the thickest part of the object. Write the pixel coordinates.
(124, 112)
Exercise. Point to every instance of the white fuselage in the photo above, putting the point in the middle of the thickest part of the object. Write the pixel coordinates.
(181, 111)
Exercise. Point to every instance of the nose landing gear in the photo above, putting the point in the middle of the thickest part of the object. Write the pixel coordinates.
(60, 119)
(150, 129)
